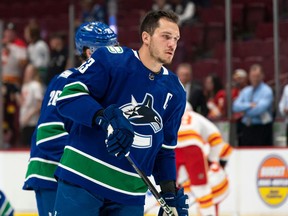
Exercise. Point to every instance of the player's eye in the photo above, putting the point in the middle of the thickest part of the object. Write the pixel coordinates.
(167, 37)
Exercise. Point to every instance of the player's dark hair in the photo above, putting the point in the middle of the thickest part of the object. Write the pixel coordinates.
(83, 56)
(151, 21)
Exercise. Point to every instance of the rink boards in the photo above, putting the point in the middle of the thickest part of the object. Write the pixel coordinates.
(258, 183)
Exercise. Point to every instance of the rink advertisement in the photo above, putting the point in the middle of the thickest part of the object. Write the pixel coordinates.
(257, 183)
(272, 180)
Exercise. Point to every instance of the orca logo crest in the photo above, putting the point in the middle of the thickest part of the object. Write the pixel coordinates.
(143, 113)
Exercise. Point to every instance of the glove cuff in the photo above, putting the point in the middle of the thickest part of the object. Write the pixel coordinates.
(99, 113)
(168, 186)
(100, 120)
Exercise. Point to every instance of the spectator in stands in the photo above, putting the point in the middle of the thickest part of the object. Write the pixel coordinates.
(194, 90)
(213, 91)
(14, 55)
(240, 81)
(256, 102)
(30, 103)
(185, 9)
(38, 49)
(58, 56)
(283, 108)
(161, 5)
(14, 58)
(10, 95)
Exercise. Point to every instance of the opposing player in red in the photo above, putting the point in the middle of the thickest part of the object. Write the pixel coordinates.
(203, 152)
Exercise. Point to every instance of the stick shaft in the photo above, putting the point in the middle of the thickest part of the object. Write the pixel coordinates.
(151, 187)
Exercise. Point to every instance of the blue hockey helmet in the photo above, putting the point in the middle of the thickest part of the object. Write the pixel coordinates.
(94, 35)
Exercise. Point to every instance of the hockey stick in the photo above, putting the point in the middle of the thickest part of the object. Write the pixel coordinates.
(151, 187)
(191, 201)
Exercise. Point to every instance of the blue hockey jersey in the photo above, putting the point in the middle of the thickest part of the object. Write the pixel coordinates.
(49, 139)
(154, 104)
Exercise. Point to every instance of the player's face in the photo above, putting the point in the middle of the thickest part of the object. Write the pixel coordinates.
(163, 42)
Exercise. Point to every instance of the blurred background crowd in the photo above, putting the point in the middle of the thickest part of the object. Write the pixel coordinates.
(35, 48)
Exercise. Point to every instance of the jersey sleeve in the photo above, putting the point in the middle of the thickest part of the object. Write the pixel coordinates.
(52, 136)
(213, 137)
(85, 87)
(52, 128)
(165, 166)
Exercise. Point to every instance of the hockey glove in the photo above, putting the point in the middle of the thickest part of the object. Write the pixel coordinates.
(178, 203)
(120, 133)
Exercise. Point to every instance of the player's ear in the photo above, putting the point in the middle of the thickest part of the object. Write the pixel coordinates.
(146, 37)
(88, 53)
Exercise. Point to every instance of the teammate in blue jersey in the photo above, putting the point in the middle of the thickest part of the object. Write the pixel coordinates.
(51, 134)
(5, 207)
(123, 102)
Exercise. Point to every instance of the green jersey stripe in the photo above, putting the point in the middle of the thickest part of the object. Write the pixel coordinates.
(71, 96)
(6, 208)
(74, 89)
(101, 183)
(102, 173)
(41, 168)
(3, 207)
(9, 211)
(102, 162)
(50, 131)
(77, 83)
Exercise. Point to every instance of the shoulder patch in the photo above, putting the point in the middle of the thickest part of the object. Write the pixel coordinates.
(66, 73)
(115, 49)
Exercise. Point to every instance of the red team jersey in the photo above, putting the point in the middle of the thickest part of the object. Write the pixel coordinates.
(200, 141)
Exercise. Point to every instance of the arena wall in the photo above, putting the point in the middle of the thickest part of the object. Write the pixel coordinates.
(258, 183)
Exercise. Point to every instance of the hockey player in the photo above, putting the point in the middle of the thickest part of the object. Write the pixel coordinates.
(51, 134)
(5, 207)
(130, 94)
(196, 131)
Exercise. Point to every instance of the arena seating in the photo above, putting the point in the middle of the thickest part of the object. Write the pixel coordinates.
(203, 39)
